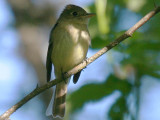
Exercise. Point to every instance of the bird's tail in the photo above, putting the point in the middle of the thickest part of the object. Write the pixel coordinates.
(58, 101)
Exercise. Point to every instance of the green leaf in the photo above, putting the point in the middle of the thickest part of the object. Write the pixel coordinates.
(95, 92)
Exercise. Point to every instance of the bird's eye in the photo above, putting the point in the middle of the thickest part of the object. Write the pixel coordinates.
(74, 13)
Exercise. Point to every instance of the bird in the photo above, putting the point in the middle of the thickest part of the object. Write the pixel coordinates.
(68, 46)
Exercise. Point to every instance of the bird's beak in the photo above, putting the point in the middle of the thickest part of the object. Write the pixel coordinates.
(88, 15)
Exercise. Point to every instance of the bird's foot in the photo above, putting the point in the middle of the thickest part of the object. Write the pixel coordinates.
(63, 77)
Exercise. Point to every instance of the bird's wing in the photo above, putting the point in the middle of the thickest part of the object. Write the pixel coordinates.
(49, 54)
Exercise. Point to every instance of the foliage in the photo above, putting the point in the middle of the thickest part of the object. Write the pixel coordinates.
(142, 51)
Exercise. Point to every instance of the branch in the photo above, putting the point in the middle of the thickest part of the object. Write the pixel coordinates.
(127, 34)
(81, 66)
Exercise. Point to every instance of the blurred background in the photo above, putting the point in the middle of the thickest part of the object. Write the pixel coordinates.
(123, 84)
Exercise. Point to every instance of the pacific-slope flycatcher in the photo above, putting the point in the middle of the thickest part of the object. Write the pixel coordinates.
(68, 46)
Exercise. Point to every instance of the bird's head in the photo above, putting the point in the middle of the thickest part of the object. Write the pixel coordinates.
(75, 14)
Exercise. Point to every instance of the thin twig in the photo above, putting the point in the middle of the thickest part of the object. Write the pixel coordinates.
(127, 34)
(79, 67)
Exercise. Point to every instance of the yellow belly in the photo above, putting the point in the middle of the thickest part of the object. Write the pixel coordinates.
(69, 49)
